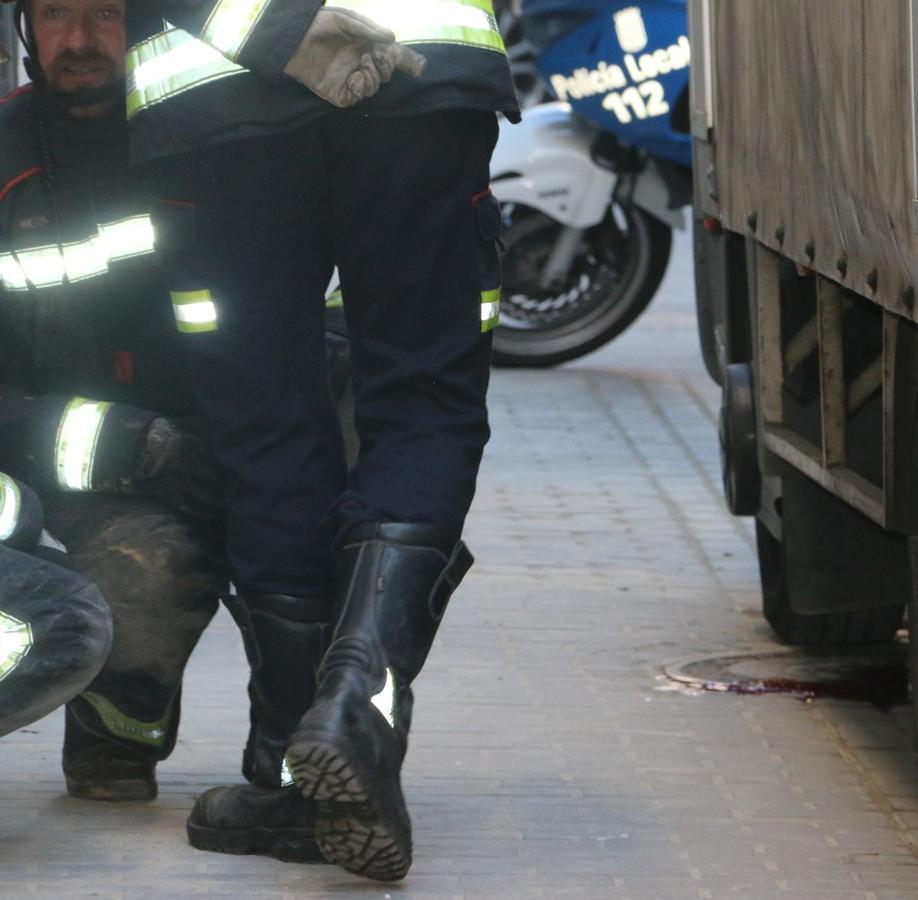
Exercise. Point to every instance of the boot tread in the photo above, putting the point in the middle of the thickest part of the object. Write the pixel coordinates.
(352, 829)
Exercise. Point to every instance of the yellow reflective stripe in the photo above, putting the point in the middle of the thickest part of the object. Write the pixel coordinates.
(490, 310)
(53, 265)
(10, 504)
(231, 23)
(195, 311)
(15, 643)
(171, 63)
(123, 726)
(77, 438)
(467, 22)
(128, 237)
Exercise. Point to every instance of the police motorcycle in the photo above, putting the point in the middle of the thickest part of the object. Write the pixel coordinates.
(592, 184)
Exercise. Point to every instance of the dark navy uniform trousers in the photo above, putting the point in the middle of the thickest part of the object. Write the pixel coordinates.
(402, 207)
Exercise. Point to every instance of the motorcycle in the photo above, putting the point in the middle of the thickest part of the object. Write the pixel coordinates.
(591, 184)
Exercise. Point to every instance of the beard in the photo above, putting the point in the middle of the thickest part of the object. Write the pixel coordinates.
(63, 72)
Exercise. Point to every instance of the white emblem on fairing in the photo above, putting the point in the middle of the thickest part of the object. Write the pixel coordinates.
(384, 700)
(629, 26)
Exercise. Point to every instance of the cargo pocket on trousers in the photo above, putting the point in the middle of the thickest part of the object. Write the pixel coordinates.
(490, 224)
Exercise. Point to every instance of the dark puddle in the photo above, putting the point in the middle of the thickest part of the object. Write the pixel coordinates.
(877, 675)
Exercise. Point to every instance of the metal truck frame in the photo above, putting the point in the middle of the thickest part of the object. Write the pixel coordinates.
(803, 117)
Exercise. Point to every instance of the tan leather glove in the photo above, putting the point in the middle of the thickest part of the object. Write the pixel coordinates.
(345, 57)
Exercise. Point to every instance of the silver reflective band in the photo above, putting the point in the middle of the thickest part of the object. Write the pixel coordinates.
(384, 701)
(195, 311)
(10, 504)
(168, 64)
(75, 447)
(469, 22)
(15, 643)
(286, 779)
(490, 310)
(231, 23)
(49, 266)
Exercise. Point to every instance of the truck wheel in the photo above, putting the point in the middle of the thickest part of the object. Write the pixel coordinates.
(871, 626)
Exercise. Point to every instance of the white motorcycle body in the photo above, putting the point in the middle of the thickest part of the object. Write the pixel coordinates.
(545, 163)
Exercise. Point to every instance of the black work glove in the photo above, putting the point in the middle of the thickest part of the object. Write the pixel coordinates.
(173, 466)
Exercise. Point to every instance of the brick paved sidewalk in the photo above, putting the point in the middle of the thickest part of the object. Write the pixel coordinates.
(549, 760)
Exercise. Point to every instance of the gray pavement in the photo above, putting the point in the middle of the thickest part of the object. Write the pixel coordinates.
(550, 757)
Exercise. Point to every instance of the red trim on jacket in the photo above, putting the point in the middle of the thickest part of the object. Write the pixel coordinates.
(12, 95)
(22, 176)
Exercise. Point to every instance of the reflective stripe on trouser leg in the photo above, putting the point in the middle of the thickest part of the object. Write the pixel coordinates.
(10, 504)
(121, 725)
(490, 310)
(195, 311)
(75, 446)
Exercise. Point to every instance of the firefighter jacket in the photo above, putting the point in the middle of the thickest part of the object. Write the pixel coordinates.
(89, 341)
(212, 70)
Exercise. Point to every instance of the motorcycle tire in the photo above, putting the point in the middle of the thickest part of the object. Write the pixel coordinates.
(615, 274)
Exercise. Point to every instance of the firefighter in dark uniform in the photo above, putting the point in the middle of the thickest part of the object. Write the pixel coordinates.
(91, 386)
(285, 138)
(55, 627)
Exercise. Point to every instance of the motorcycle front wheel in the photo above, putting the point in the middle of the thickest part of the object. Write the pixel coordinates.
(616, 270)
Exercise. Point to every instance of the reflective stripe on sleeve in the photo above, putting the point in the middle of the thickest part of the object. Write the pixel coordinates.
(10, 504)
(168, 64)
(490, 310)
(173, 61)
(195, 311)
(231, 23)
(51, 266)
(15, 643)
(467, 22)
(77, 437)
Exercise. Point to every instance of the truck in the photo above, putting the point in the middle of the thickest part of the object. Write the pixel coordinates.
(805, 164)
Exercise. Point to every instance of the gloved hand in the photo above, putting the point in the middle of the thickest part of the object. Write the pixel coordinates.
(345, 57)
(173, 466)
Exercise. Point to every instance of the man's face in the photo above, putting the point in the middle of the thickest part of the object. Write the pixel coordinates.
(81, 43)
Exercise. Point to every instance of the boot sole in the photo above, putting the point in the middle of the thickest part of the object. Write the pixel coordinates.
(286, 845)
(118, 790)
(358, 826)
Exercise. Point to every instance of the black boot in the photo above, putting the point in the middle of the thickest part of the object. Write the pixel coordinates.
(110, 754)
(394, 581)
(284, 639)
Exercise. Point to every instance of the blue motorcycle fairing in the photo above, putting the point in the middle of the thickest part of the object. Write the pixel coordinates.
(624, 69)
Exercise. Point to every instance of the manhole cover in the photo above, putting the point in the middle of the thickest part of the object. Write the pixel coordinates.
(877, 675)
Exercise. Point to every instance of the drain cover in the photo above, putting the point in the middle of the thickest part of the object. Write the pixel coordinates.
(876, 675)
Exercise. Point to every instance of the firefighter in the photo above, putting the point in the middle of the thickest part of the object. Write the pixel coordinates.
(55, 627)
(284, 138)
(92, 390)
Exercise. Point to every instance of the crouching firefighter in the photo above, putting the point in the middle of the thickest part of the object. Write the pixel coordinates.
(92, 391)
(55, 628)
(284, 183)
